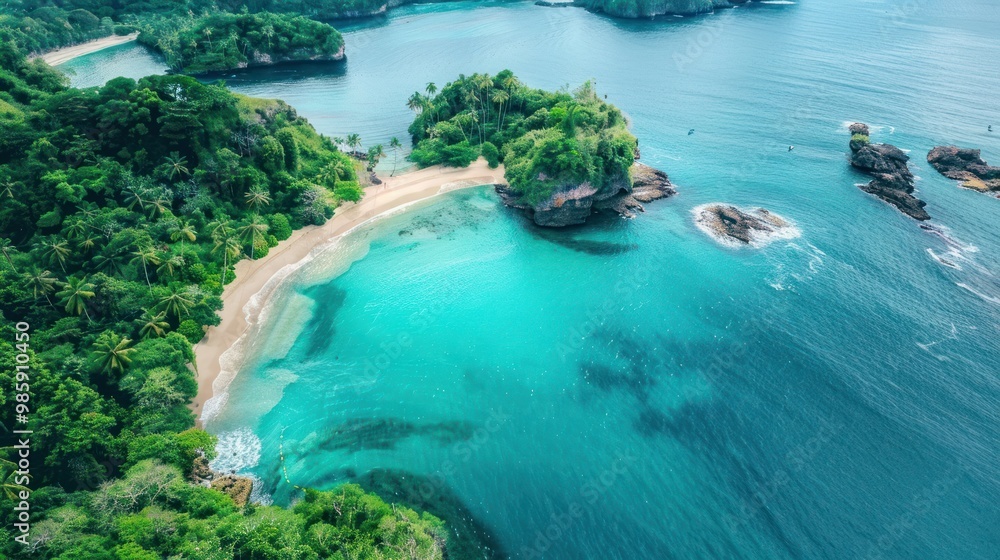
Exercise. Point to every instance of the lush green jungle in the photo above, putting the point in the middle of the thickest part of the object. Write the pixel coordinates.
(195, 45)
(544, 139)
(123, 211)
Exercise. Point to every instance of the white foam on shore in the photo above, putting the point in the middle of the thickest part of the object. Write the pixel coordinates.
(257, 493)
(758, 239)
(239, 451)
(236, 451)
(255, 313)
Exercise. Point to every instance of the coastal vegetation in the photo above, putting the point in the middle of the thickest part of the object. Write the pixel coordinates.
(650, 8)
(224, 41)
(124, 209)
(546, 140)
(36, 28)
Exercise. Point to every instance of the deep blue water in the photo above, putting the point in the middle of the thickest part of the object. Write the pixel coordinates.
(635, 389)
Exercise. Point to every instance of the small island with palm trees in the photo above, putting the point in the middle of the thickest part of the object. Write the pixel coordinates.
(565, 154)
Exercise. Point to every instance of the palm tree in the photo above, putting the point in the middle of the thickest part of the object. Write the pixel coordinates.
(375, 153)
(176, 303)
(183, 230)
(338, 141)
(75, 294)
(230, 248)
(257, 198)
(510, 83)
(221, 226)
(332, 171)
(176, 165)
(7, 188)
(146, 255)
(354, 141)
(55, 250)
(157, 207)
(134, 198)
(108, 262)
(169, 264)
(415, 103)
(394, 145)
(76, 228)
(87, 244)
(267, 31)
(474, 118)
(113, 352)
(431, 89)
(42, 282)
(500, 97)
(208, 35)
(7, 247)
(485, 82)
(154, 326)
(254, 231)
(570, 121)
(88, 209)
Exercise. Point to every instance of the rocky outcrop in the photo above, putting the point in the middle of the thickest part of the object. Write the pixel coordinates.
(966, 165)
(732, 225)
(236, 487)
(257, 59)
(239, 488)
(892, 180)
(572, 204)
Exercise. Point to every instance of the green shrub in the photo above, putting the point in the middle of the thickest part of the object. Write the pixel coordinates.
(459, 155)
(279, 226)
(492, 154)
(191, 331)
(348, 190)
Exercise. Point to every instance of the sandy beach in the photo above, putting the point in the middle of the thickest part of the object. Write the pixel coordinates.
(60, 56)
(252, 277)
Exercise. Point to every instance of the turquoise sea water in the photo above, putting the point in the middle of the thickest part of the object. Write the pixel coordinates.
(633, 389)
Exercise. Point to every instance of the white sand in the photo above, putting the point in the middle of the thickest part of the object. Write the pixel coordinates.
(65, 54)
(252, 276)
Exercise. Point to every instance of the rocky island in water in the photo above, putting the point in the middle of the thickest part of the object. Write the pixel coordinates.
(565, 155)
(735, 226)
(892, 180)
(966, 165)
(572, 204)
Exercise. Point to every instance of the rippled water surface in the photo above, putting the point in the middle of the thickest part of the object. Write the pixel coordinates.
(633, 389)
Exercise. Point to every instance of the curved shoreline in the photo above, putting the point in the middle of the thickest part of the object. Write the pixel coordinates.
(260, 277)
(66, 54)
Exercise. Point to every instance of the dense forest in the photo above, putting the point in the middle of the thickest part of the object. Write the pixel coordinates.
(49, 27)
(39, 25)
(123, 211)
(545, 140)
(649, 8)
(223, 41)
